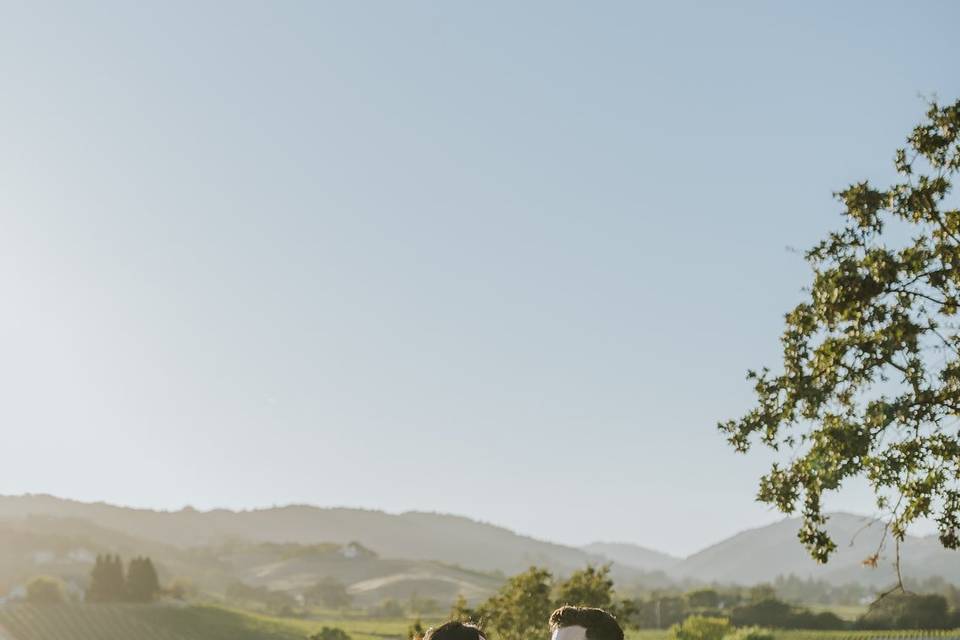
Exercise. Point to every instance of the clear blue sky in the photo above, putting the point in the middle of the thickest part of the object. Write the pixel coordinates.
(482, 258)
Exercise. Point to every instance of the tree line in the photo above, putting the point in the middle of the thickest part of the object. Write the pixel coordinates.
(110, 583)
(762, 606)
(518, 610)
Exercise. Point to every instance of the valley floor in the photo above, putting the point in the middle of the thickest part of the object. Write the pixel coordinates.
(158, 622)
(163, 622)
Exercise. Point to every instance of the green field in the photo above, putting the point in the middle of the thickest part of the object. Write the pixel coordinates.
(654, 634)
(866, 635)
(359, 628)
(167, 622)
(151, 622)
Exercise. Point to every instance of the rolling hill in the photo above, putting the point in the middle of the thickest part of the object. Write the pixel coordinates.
(761, 554)
(633, 556)
(431, 555)
(67, 548)
(448, 539)
(370, 579)
(143, 622)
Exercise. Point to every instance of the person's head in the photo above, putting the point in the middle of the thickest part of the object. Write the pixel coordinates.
(584, 623)
(454, 630)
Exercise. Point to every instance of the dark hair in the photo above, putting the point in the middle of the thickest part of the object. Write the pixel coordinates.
(599, 624)
(455, 630)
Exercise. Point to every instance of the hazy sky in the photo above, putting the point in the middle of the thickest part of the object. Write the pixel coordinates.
(509, 260)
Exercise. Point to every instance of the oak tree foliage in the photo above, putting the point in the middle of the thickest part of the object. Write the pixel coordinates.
(870, 379)
(522, 606)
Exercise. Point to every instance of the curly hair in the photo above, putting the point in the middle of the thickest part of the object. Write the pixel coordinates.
(455, 630)
(599, 624)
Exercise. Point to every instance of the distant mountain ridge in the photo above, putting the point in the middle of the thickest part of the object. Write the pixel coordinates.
(763, 553)
(412, 536)
(634, 555)
(750, 557)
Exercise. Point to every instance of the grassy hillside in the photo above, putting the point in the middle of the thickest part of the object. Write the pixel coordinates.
(146, 622)
(359, 628)
(140, 622)
(370, 578)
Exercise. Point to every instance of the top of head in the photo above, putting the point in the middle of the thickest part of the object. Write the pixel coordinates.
(584, 623)
(455, 631)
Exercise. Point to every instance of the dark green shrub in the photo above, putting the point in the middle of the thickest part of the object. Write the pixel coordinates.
(700, 628)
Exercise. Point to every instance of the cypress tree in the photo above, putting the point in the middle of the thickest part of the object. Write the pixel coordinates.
(96, 590)
(153, 579)
(115, 583)
(143, 584)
